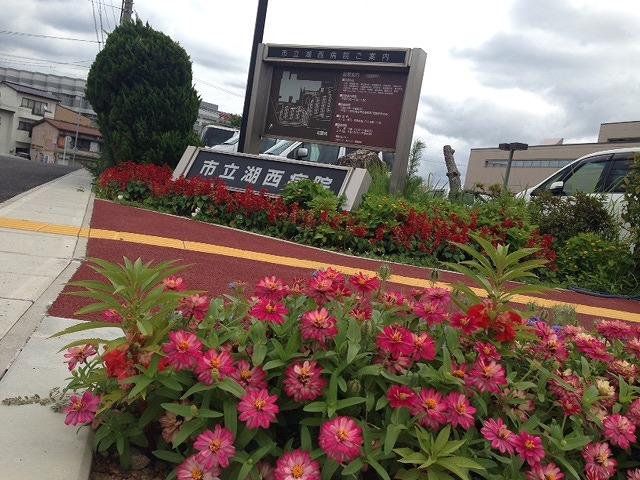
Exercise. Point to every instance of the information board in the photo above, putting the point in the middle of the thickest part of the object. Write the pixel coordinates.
(241, 171)
(358, 108)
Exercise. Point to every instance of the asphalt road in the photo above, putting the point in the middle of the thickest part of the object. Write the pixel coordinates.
(18, 175)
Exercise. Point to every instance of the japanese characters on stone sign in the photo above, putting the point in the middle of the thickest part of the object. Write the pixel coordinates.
(338, 55)
(271, 175)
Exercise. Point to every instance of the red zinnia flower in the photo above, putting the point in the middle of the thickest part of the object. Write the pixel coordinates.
(183, 350)
(318, 325)
(195, 306)
(396, 340)
(297, 465)
(464, 323)
(303, 381)
(215, 447)
(501, 438)
(401, 396)
(341, 439)
(598, 462)
(249, 377)
(429, 407)
(487, 376)
(425, 347)
(545, 472)
(81, 410)
(459, 411)
(365, 284)
(271, 287)
(118, 363)
(269, 310)
(504, 326)
(529, 448)
(214, 366)
(76, 355)
(619, 430)
(177, 284)
(480, 314)
(258, 409)
(431, 312)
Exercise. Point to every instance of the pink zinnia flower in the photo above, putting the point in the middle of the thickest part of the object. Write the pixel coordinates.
(425, 347)
(297, 465)
(214, 366)
(401, 396)
(111, 316)
(464, 323)
(431, 312)
(594, 349)
(598, 462)
(258, 409)
(529, 447)
(396, 340)
(429, 407)
(303, 381)
(633, 347)
(362, 313)
(545, 472)
(487, 376)
(614, 329)
(250, 377)
(459, 371)
(81, 410)
(633, 474)
(487, 351)
(633, 413)
(318, 325)
(501, 438)
(440, 296)
(393, 299)
(174, 283)
(76, 355)
(192, 469)
(459, 411)
(269, 310)
(341, 439)
(364, 283)
(183, 350)
(215, 447)
(619, 430)
(195, 306)
(272, 288)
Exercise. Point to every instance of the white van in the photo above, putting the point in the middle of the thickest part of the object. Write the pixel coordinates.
(597, 173)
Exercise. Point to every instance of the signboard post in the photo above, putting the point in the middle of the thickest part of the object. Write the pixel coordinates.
(352, 97)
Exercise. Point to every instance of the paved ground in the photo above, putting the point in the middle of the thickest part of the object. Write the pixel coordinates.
(219, 255)
(18, 175)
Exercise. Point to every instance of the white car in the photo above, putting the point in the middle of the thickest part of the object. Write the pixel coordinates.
(231, 145)
(315, 152)
(213, 135)
(597, 173)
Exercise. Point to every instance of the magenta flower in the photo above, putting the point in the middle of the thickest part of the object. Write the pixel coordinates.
(459, 411)
(487, 351)
(183, 350)
(112, 316)
(250, 377)
(175, 284)
(396, 341)
(272, 288)
(633, 347)
(619, 430)
(394, 299)
(215, 447)
(214, 366)
(545, 472)
(501, 438)
(529, 448)
(297, 465)
(431, 312)
(401, 396)
(270, 311)
(439, 296)
(614, 329)
(195, 306)
(318, 325)
(258, 409)
(76, 355)
(430, 408)
(424, 347)
(487, 376)
(303, 381)
(598, 462)
(634, 412)
(365, 284)
(81, 410)
(341, 439)
(633, 474)
(192, 469)
(593, 349)
(465, 323)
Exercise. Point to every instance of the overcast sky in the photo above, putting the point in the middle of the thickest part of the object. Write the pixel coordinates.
(497, 70)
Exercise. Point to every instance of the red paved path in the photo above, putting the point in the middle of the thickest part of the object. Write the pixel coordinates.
(212, 273)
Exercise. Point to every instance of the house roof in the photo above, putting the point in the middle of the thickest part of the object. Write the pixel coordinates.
(31, 91)
(72, 127)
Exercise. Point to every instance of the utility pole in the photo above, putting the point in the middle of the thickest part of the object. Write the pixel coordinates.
(510, 147)
(258, 33)
(127, 10)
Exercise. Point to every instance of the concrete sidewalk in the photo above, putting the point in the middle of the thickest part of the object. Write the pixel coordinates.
(35, 266)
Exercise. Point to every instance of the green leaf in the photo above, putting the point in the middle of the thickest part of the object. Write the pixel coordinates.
(187, 429)
(353, 468)
(391, 436)
(441, 440)
(349, 402)
(315, 407)
(231, 386)
(168, 456)
(198, 387)
(328, 469)
(179, 409)
(352, 351)
(378, 468)
(305, 438)
(206, 413)
(231, 416)
(80, 327)
(259, 352)
(271, 364)
(141, 385)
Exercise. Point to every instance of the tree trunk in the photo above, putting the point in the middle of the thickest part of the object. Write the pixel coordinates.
(452, 171)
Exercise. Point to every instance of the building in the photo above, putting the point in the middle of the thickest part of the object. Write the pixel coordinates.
(54, 141)
(207, 114)
(70, 91)
(21, 107)
(487, 166)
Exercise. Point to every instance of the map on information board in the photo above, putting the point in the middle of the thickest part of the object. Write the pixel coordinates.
(350, 108)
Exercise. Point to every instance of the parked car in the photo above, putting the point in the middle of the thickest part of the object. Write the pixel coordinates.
(213, 135)
(23, 155)
(597, 173)
(231, 145)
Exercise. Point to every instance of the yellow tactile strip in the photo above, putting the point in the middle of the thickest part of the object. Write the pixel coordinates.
(68, 230)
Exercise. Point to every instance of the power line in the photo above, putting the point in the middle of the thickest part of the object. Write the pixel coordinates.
(45, 60)
(95, 24)
(8, 32)
(218, 87)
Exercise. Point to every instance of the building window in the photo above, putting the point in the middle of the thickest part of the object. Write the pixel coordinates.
(527, 163)
(25, 126)
(37, 108)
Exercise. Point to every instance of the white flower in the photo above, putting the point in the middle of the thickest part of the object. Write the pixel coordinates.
(120, 197)
(193, 214)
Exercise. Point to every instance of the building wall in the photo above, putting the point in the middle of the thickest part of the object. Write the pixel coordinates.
(47, 146)
(615, 132)
(67, 115)
(481, 171)
(44, 140)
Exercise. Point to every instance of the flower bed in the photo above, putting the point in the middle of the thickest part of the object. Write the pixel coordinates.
(382, 226)
(334, 377)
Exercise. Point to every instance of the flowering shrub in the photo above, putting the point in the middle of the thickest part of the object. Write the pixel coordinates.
(335, 376)
(381, 226)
